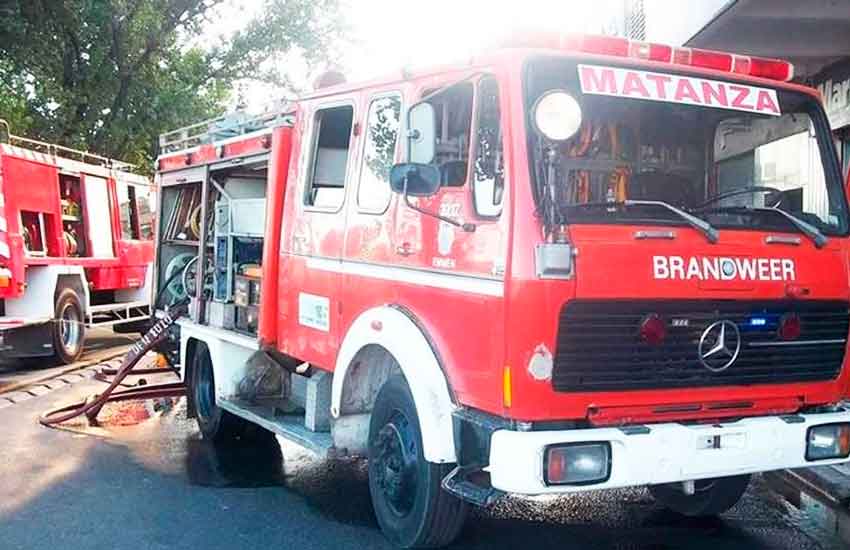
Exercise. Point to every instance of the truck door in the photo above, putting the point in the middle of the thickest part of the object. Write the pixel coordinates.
(98, 215)
(371, 212)
(309, 327)
(465, 268)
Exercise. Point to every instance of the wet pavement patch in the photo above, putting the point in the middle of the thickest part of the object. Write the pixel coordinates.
(337, 489)
(128, 413)
(254, 460)
(165, 454)
(806, 509)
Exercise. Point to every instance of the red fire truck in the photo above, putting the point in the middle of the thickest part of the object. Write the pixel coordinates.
(76, 247)
(571, 263)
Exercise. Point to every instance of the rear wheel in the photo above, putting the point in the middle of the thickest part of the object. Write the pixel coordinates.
(711, 496)
(69, 329)
(215, 423)
(411, 507)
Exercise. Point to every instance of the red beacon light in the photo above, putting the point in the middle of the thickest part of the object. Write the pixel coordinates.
(790, 327)
(762, 67)
(653, 331)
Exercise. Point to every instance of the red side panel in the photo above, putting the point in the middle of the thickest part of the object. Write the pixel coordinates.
(23, 190)
(116, 278)
(249, 144)
(277, 178)
(8, 285)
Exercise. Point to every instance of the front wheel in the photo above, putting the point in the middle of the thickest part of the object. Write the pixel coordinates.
(711, 496)
(69, 329)
(411, 507)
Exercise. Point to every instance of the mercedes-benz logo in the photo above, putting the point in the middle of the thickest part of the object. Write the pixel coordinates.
(719, 345)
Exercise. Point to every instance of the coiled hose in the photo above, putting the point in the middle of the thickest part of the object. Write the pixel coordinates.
(154, 336)
(91, 407)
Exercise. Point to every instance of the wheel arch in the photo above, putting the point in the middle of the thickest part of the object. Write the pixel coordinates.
(390, 338)
(76, 282)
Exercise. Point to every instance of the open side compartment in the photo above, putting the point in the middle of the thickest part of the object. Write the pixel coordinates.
(235, 240)
(74, 229)
(213, 223)
(179, 233)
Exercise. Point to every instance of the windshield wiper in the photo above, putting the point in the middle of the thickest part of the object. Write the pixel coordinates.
(699, 224)
(809, 230)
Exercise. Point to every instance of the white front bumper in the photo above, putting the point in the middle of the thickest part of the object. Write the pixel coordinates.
(667, 453)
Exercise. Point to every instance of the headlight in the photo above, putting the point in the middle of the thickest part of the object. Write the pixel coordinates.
(577, 463)
(828, 441)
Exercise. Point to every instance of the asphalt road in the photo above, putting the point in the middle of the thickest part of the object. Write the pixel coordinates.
(100, 344)
(153, 484)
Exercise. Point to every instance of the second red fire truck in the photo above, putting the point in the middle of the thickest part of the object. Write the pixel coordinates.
(76, 247)
(572, 263)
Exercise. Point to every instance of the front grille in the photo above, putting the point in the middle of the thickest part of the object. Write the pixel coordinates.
(599, 348)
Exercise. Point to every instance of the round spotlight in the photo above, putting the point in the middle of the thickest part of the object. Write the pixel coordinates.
(557, 115)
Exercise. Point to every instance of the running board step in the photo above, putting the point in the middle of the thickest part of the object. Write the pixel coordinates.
(288, 426)
(457, 484)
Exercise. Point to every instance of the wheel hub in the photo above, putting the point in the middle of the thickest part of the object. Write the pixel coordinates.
(397, 464)
(69, 328)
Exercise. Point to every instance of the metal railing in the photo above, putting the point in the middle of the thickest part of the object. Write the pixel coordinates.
(223, 127)
(61, 151)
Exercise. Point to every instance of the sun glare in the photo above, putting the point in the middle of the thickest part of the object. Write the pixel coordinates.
(393, 34)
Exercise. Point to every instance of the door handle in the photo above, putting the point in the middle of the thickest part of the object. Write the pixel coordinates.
(404, 249)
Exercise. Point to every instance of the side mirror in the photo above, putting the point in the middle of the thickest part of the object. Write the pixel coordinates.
(421, 133)
(415, 179)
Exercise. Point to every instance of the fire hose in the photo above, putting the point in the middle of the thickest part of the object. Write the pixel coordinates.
(92, 406)
(158, 332)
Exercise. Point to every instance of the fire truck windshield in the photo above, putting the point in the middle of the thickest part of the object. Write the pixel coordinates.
(729, 154)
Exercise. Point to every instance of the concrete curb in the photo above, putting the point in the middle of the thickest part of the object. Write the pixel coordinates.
(46, 383)
(830, 483)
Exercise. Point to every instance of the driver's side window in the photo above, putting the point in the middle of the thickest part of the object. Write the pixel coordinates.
(453, 114)
(778, 159)
(466, 151)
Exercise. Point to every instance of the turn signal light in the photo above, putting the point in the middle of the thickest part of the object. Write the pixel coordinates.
(790, 327)
(828, 441)
(653, 331)
(578, 463)
(507, 389)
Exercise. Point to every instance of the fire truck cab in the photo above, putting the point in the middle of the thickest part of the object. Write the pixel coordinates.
(76, 247)
(573, 263)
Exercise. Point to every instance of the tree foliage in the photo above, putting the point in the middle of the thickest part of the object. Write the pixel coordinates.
(111, 75)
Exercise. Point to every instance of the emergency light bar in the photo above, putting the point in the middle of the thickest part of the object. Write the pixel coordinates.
(774, 69)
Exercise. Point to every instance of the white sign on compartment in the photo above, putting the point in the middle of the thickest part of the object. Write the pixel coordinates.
(314, 311)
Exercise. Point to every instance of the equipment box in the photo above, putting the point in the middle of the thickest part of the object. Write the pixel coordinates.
(246, 291)
(246, 296)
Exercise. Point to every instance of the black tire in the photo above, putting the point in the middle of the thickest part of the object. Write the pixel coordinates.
(412, 508)
(711, 497)
(216, 424)
(69, 327)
